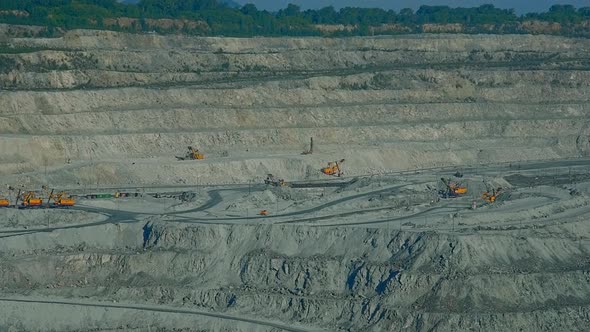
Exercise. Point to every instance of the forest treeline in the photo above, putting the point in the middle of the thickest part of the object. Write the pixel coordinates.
(210, 17)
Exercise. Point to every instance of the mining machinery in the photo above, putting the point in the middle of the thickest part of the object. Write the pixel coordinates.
(60, 200)
(192, 154)
(490, 196)
(4, 202)
(310, 151)
(28, 199)
(452, 189)
(334, 168)
(273, 181)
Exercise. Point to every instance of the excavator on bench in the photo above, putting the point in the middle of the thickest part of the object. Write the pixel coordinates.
(192, 154)
(59, 199)
(334, 168)
(490, 196)
(28, 199)
(452, 189)
(274, 181)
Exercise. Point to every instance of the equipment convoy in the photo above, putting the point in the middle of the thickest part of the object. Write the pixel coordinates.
(30, 199)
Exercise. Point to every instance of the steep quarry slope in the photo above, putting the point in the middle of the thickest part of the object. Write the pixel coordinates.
(335, 279)
(121, 106)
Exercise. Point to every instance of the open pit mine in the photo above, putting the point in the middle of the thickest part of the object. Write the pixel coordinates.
(406, 183)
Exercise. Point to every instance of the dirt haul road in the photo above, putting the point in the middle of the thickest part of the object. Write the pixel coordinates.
(100, 112)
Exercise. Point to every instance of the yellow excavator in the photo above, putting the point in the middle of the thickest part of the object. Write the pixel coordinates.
(490, 196)
(29, 199)
(452, 189)
(4, 202)
(60, 199)
(334, 168)
(192, 154)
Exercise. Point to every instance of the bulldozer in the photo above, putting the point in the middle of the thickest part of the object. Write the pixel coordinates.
(29, 199)
(452, 189)
(60, 199)
(334, 168)
(272, 180)
(192, 154)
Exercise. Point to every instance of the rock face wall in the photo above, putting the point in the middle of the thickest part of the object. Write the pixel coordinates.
(101, 99)
(338, 279)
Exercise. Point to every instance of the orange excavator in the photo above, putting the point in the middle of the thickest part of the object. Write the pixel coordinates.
(192, 154)
(452, 189)
(334, 168)
(491, 196)
(29, 200)
(60, 199)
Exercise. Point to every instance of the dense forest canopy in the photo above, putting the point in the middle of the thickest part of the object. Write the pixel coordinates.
(218, 18)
